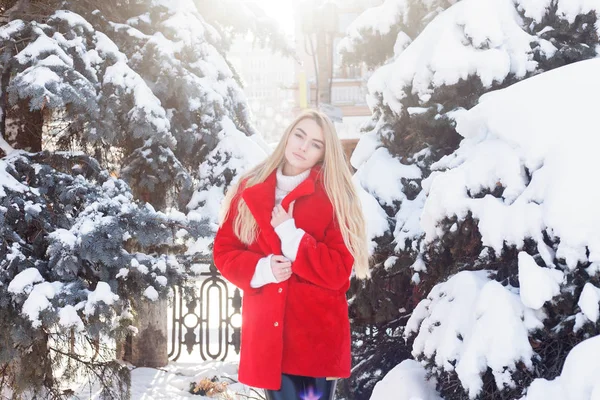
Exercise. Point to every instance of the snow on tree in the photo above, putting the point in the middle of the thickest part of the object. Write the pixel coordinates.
(149, 93)
(232, 17)
(383, 32)
(234, 153)
(472, 48)
(519, 320)
(191, 77)
(70, 67)
(578, 379)
(143, 91)
(77, 254)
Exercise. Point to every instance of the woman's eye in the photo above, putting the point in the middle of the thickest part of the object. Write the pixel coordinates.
(298, 135)
(317, 146)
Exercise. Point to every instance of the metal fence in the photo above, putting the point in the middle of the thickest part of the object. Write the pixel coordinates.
(208, 324)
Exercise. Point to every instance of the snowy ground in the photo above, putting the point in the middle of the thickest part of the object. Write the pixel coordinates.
(173, 381)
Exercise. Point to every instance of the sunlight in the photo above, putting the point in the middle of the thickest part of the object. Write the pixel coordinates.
(281, 11)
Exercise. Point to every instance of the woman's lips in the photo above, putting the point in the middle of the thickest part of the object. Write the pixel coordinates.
(299, 156)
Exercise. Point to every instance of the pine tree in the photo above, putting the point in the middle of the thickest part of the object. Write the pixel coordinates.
(415, 98)
(382, 32)
(78, 253)
(103, 105)
(147, 92)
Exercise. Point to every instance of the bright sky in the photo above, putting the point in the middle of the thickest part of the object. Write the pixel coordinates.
(280, 10)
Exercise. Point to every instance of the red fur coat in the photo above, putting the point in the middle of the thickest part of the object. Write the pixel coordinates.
(299, 326)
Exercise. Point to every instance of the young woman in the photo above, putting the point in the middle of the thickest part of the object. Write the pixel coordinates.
(292, 232)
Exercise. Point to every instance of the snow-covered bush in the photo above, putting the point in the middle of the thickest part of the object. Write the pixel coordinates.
(520, 175)
(419, 100)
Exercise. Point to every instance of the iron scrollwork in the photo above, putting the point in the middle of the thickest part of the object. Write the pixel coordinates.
(193, 322)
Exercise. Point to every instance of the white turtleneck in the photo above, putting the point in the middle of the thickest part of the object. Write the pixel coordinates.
(287, 183)
(288, 233)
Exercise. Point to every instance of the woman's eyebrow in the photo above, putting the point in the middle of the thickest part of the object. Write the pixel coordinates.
(316, 140)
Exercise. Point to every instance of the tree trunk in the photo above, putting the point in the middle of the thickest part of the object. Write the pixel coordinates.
(149, 347)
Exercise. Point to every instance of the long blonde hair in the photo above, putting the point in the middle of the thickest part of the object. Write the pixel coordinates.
(337, 181)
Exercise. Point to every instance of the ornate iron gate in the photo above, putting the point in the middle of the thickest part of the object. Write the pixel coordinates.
(192, 319)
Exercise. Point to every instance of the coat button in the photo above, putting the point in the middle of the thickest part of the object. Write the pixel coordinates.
(276, 324)
(280, 290)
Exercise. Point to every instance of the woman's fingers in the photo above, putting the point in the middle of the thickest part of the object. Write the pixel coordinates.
(284, 270)
(282, 267)
(281, 259)
(278, 215)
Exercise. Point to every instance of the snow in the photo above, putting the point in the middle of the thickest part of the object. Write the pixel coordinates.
(65, 237)
(580, 377)
(151, 293)
(375, 187)
(40, 76)
(242, 154)
(101, 294)
(10, 29)
(73, 19)
(537, 284)
(106, 48)
(259, 140)
(68, 318)
(123, 272)
(147, 108)
(518, 128)
(43, 45)
(364, 149)
(386, 187)
(419, 265)
(406, 381)
(7, 149)
(473, 323)
(350, 127)
(375, 216)
(212, 198)
(140, 267)
(408, 224)
(7, 181)
(162, 280)
(200, 268)
(375, 20)
(389, 263)
(402, 42)
(472, 37)
(38, 301)
(589, 302)
(23, 282)
(566, 9)
(161, 265)
(173, 381)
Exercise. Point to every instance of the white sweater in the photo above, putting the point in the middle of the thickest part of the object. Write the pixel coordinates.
(288, 233)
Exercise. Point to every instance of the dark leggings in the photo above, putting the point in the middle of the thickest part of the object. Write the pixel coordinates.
(294, 387)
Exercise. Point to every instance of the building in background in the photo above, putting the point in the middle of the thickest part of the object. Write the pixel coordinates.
(321, 80)
(268, 84)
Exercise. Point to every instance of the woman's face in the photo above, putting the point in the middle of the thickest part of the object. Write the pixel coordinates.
(305, 147)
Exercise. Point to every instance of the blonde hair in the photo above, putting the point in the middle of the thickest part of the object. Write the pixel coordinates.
(337, 181)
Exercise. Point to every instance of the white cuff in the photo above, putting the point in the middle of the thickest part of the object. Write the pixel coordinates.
(290, 238)
(263, 273)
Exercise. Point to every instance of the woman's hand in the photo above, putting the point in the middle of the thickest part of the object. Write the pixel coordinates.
(278, 215)
(281, 267)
